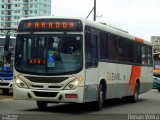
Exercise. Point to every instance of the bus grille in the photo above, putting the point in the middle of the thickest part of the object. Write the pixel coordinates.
(4, 84)
(45, 94)
(46, 79)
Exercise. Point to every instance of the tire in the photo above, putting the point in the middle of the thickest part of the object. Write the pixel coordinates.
(99, 103)
(5, 91)
(41, 105)
(158, 89)
(135, 98)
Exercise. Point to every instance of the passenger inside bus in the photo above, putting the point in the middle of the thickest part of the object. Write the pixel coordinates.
(53, 47)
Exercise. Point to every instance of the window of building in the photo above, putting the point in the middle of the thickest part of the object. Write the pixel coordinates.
(31, 12)
(35, 5)
(31, 6)
(44, 11)
(16, 17)
(2, 24)
(35, 12)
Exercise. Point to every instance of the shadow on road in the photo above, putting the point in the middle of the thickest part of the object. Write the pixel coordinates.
(82, 108)
(8, 94)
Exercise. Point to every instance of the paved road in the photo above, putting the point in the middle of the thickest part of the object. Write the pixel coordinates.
(116, 109)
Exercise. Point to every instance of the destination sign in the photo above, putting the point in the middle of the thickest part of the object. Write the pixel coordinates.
(36, 61)
(49, 25)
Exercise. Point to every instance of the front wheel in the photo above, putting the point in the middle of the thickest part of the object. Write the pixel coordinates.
(42, 105)
(99, 103)
(158, 89)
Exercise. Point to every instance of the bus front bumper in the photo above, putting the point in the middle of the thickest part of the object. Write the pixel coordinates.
(63, 96)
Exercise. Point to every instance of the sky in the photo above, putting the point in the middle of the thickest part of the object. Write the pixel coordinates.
(140, 18)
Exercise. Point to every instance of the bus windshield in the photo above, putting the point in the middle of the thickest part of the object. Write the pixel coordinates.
(49, 54)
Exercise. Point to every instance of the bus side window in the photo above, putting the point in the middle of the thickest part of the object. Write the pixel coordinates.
(113, 49)
(121, 49)
(138, 54)
(130, 51)
(91, 49)
(103, 46)
(150, 56)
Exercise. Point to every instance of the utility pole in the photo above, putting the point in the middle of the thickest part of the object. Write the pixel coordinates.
(94, 10)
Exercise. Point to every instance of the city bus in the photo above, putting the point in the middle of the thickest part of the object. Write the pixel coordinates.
(71, 60)
(6, 64)
(156, 71)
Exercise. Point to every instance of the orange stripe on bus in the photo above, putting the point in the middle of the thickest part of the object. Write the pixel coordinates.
(135, 74)
(140, 40)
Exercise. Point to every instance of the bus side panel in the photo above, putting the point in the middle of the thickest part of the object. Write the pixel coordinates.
(106, 71)
(120, 80)
(117, 78)
(146, 79)
(91, 83)
(125, 71)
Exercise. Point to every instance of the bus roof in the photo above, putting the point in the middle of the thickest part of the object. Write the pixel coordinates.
(105, 27)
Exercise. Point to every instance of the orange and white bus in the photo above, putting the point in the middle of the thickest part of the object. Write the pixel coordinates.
(72, 60)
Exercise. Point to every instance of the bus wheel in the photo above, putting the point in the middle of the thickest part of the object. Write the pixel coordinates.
(5, 91)
(134, 98)
(99, 103)
(158, 89)
(42, 105)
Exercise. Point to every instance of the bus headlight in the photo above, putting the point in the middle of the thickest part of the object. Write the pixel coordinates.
(20, 83)
(74, 84)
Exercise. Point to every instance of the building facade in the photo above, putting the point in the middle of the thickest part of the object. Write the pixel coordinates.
(11, 11)
(156, 43)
